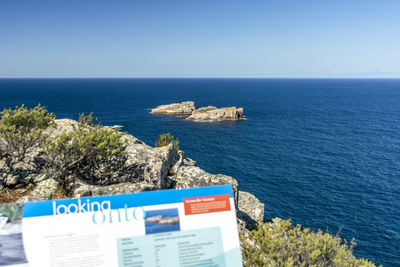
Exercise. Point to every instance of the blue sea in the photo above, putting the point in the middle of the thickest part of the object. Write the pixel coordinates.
(323, 152)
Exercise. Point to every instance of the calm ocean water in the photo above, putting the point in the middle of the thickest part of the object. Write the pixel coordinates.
(324, 152)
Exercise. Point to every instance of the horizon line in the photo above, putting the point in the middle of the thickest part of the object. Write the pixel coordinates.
(162, 77)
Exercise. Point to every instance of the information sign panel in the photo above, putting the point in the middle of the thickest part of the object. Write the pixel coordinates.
(184, 227)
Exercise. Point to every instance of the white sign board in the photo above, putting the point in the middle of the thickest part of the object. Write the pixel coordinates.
(187, 227)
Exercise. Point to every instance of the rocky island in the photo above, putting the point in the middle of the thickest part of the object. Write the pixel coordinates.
(184, 108)
(209, 113)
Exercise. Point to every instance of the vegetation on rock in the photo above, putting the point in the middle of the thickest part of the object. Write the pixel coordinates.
(12, 211)
(282, 244)
(166, 139)
(90, 152)
(203, 110)
(22, 129)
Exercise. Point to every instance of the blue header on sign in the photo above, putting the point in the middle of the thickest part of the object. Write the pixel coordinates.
(88, 204)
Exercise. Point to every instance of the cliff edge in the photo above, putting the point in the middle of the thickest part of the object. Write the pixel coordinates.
(147, 169)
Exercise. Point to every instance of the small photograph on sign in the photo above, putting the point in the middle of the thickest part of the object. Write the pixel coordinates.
(11, 246)
(159, 221)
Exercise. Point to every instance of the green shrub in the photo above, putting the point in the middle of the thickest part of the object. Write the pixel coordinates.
(166, 139)
(204, 110)
(89, 152)
(281, 244)
(22, 129)
(12, 211)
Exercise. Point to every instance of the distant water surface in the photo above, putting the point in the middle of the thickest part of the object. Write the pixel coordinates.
(324, 152)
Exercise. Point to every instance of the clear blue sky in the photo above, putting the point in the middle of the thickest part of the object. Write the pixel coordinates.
(200, 38)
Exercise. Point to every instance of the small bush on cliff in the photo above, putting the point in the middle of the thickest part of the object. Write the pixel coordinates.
(12, 211)
(89, 152)
(166, 139)
(22, 129)
(281, 244)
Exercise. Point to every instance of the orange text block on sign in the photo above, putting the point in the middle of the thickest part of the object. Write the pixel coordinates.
(199, 205)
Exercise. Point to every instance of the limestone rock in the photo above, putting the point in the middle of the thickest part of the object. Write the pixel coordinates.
(184, 108)
(10, 179)
(168, 153)
(192, 176)
(250, 210)
(132, 140)
(22, 172)
(216, 114)
(43, 191)
(148, 164)
(2, 163)
(182, 160)
(249, 204)
(81, 189)
(60, 126)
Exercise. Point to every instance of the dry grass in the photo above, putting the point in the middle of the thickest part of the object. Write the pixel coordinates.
(12, 195)
(60, 193)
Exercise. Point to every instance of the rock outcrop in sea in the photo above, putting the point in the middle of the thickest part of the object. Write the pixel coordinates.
(148, 169)
(209, 113)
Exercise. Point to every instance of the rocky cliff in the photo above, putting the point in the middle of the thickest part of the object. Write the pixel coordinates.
(147, 169)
